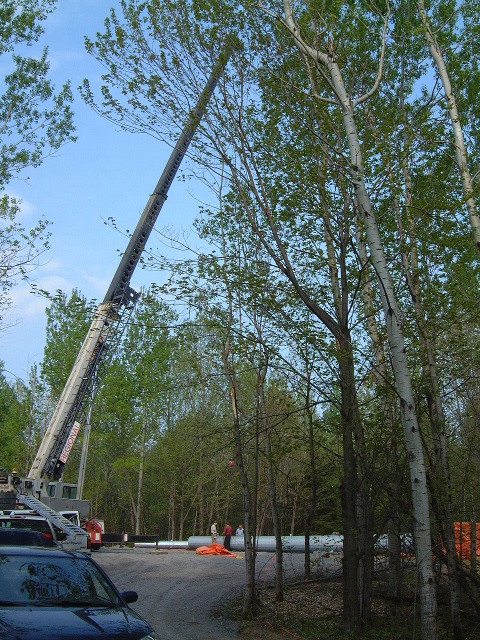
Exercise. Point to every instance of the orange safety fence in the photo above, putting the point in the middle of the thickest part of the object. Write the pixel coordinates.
(463, 539)
(214, 549)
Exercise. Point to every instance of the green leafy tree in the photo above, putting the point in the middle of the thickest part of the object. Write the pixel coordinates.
(13, 422)
(20, 249)
(68, 320)
(129, 414)
(146, 354)
(35, 121)
(112, 461)
(305, 99)
(245, 145)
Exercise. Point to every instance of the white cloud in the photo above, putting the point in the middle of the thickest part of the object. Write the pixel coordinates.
(52, 265)
(27, 304)
(58, 59)
(98, 285)
(53, 283)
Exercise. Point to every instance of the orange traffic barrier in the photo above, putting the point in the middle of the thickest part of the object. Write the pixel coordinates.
(463, 539)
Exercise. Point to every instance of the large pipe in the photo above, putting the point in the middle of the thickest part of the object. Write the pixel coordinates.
(290, 544)
(163, 544)
(332, 543)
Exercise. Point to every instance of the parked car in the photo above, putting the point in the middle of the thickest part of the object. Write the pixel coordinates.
(52, 593)
(25, 538)
(30, 522)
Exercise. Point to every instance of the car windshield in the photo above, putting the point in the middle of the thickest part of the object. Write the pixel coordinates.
(24, 537)
(26, 523)
(53, 581)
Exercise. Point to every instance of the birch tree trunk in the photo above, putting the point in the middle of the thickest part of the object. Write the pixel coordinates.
(249, 502)
(413, 441)
(138, 510)
(249, 600)
(201, 499)
(441, 482)
(356, 529)
(440, 476)
(460, 150)
(310, 511)
(418, 481)
(382, 389)
(272, 491)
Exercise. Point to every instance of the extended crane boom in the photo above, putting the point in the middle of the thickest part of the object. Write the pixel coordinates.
(118, 291)
(66, 421)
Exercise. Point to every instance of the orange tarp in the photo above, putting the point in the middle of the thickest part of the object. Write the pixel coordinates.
(462, 539)
(214, 550)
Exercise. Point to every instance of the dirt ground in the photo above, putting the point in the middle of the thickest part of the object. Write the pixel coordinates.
(184, 595)
(306, 602)
(305, 605)
(314, 610)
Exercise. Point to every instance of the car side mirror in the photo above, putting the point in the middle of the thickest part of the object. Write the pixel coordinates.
(129, 596)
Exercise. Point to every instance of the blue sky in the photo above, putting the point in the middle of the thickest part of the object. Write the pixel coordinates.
(106, 173)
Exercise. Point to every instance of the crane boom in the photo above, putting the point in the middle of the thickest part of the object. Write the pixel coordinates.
(118, 290)
(57, 442)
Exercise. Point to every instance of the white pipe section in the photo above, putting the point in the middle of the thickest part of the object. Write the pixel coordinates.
(290, 544)
(163, 544)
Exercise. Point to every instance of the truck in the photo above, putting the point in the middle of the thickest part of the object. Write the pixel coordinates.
(38, 491)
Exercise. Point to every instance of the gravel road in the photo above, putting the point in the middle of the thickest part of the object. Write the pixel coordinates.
(179, 592)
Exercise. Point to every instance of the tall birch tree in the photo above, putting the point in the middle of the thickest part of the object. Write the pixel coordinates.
(459, 141)
(324, 61)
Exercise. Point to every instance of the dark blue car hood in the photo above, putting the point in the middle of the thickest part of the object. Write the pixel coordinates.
(47, 623)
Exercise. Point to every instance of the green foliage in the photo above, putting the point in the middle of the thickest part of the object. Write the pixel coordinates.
(13, 422)
(19, 248)
(34, 123)
(21, 22)
(277, 161)
(35, 120)
(68, 320)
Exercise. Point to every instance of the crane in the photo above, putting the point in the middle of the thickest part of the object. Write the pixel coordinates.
(108, 319)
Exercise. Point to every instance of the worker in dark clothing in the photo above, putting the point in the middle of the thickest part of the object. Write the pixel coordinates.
(227, 536)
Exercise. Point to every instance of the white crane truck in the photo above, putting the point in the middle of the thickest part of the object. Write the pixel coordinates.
(109, 319)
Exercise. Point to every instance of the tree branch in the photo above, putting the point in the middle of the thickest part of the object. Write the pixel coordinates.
(378, 79)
